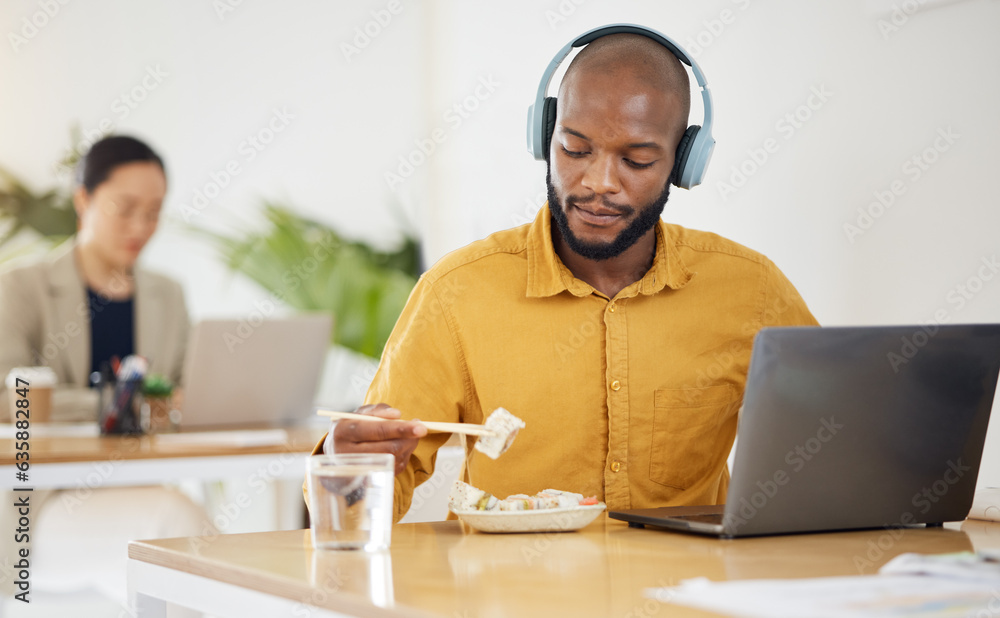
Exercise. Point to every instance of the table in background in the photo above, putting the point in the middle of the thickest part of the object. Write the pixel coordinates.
(445, 569)
(57, 462)
(71, 462)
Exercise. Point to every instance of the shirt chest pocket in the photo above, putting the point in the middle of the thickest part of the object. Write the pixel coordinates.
(687, 433)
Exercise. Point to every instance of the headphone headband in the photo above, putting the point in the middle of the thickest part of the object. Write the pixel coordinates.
(697, 143)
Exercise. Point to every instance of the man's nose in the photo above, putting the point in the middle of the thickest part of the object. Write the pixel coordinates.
(601, 175)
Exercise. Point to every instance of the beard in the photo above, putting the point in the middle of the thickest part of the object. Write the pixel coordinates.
(648, 217)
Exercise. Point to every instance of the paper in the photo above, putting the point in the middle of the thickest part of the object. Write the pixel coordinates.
(874, 596)
(964, 565)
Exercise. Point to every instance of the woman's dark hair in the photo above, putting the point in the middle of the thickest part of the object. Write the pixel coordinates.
(108, 153)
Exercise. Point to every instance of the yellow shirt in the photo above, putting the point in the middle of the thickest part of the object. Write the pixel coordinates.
(633, 399)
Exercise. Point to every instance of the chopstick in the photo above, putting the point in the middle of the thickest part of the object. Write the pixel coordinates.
(468, 429)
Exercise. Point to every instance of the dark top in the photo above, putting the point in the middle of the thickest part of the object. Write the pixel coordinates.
(112, 329)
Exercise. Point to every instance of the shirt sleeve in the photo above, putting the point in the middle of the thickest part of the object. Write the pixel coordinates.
(423, 374)
(783, 305)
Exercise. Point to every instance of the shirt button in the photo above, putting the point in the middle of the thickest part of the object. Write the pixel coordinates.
(616, 385)
(612, 308)
(615, 467)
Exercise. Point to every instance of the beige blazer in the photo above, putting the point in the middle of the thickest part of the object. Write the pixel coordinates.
(45, 320)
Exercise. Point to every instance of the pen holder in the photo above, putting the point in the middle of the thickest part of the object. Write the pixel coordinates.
(120, 413)
(156, 414)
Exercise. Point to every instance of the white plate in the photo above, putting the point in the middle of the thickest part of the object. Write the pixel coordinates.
(542, 520)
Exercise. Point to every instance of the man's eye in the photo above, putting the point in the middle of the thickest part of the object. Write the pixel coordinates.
(573, 153)
(638, 166)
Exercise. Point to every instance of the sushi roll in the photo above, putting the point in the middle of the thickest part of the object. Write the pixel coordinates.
(465, 497)
(505, 427)
(561, 499)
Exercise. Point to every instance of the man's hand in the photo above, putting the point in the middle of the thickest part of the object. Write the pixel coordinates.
(396, 437)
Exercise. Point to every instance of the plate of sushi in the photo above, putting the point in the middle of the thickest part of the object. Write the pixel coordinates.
(550, 510)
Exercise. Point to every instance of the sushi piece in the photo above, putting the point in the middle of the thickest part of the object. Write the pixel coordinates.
(555, 499)
(506, 426)
(464, 497)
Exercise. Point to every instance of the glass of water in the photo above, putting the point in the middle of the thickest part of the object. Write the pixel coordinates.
(350, 500)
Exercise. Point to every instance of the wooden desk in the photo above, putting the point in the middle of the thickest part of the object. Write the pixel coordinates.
(445, 569)
(107, 461)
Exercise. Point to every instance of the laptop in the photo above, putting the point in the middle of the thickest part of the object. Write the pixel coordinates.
(238, 372)
(847, 428)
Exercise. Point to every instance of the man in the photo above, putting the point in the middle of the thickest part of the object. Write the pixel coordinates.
(623, 342)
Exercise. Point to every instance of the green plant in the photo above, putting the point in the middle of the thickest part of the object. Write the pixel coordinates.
(157, 385)
(309, 266)
(48, 213)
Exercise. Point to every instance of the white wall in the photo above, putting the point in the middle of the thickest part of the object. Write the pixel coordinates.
(892, 80)
(891, 92)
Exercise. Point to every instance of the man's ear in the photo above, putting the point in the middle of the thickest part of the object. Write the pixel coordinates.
(81, 202)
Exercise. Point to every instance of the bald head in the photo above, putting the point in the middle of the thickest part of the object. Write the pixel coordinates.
(634, 61)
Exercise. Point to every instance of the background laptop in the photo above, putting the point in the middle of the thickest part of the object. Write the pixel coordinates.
(857, 427)
(236, 373)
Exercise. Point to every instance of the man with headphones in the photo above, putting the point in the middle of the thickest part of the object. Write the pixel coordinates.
(622, 341)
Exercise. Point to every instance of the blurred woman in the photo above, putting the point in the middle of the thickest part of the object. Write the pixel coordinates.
(88, 301)
(74, 311)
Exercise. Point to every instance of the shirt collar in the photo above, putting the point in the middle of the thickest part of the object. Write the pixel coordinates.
(548, 276)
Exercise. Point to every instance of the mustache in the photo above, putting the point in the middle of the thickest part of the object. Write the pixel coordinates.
(622, 209)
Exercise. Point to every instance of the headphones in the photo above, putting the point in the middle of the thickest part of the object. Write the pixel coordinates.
(695, 148)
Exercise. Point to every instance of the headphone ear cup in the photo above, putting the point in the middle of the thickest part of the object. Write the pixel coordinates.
(548, 124)
(682, 154)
